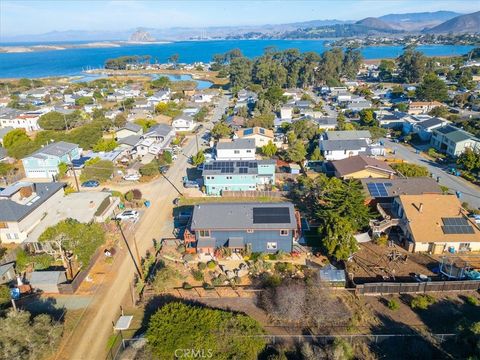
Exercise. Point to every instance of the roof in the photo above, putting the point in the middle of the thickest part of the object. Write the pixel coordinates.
(431, 122)
(132, 127)
(348, 135)
(57, 149)
(455, 134)
(206, 243)
(13, 211)
(425, 212)
(236, 144)
(404, 186)
(3, 153)
(329, 145)
(360, 162)
(159, 130)
(45, 277)
(4, 131)
(326, 121)
(4, 268)
(425, 103)
(229, 216)
(219, 167)
(131, 140)
(332, 274)
(257, 130)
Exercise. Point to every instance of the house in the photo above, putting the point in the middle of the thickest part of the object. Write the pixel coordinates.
(246, 96)
(20, 119)
(128, 129)
(156, 140)
(286, 112)
(44, 162)
(23, 205)
(261, 135)
(391, 120)
(453, 141)
(361, 166)
(183, 122)
(7, 273)
(358, 104)
(338, 145)
(237, 149)
(422, 107)
(159, 96)
(255, 227)
(424, 128)
(203, 97)
(47, 281)
(4, 131)
(236, 122)
(326, 123)
(434, 223)
(237, 175)
(386, 190)
(295, 94)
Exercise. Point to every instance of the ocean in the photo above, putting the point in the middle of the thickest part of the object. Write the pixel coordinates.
(73, 61)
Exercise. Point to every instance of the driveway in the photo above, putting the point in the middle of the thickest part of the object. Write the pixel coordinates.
(470, 193)
(220, 108)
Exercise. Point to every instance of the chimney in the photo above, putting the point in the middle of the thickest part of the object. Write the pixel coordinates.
(420, 208)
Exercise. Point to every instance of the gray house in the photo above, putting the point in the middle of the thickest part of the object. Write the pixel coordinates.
(257, 227)
(453, 141)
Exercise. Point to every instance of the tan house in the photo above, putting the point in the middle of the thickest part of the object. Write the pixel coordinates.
(422, 107)
(261, 135)
(435, 223)
(361, 167)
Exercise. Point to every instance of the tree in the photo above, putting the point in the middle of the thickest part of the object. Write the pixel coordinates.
(201, 114)
(337, 233)
(145, 123)
(367, 118)
(270, 149)
(6, 168)
(96, 169)
(386, 69)
(469, 159)
(84, 100)
(167, 157)
(411, 170)
(161, 83)
(221, 130)
(23, 337)
(15, 137)
(150, 169)
(105, 145)
(432, 88)
(62, 169)
(263, 120)
(316, 154)
(240, 72)
(198, 158)
(439, 111)
(170, 109)
(412, 65)
(174, 59)
(53, 120)
(296, 152)
(221, 334)
(119, 121)
(72, 236)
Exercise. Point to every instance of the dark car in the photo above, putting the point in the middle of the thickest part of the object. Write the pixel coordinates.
(90, 183)
(164, 168)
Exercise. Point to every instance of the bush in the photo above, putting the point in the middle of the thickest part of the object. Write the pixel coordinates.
(211, 264)
(217, 281)
(472, 300)
(188, 257)
(393, 304)
(272, 280)
(129, 195)
(382, 240)
(181, 248)
(137, 194)
(166, 278)
(187, 286)
(283, 267)
(201, 266)
(422, 302)
(197, 275)
(208, 286)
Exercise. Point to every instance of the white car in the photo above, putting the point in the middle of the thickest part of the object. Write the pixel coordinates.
(132, 177)
(128, 215)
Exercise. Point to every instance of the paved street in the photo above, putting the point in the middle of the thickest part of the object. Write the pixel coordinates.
(469, 192)
(90, 337)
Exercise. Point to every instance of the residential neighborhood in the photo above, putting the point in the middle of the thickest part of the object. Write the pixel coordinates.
(288, 204)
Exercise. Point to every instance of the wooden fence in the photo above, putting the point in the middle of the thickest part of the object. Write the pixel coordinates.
(72, 286)
(425, 287)
(254, 194)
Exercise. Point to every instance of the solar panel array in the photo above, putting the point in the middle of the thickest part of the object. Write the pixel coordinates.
(271, 215)
(248, 132)
(249, 164)
(225, 167)
(456, 226)
(378, 189)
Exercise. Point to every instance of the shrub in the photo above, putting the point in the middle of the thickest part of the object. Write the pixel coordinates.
(422, 302)
(129, 195)
(273, 280)
(283, 267)
(208, 286)
(393, 304)
(217, 281)
(137, 194)
(197, 275)
(181, 248)
(201, 266)
(382, 240)
(211, 264)
(188, 257)
(187, 286)
(472, 300)
(166, 278)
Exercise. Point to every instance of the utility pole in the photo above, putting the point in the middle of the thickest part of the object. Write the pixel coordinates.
(196, 141)
(138, 266)
(74, 173)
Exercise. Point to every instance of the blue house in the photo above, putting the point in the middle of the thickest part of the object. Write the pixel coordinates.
(256, 227)
(237, 175)
(44, 163)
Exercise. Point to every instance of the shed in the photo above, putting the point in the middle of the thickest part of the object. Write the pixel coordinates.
(47, 281)
(332, 275)
(294, 169)
(7, 273)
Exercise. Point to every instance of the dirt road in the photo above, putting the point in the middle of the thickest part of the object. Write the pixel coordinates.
(89, 339)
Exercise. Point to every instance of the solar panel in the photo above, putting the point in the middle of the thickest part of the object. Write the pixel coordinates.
(455, 221)
(243, 170)
(248, 132)
(378, 189)
(271, 215)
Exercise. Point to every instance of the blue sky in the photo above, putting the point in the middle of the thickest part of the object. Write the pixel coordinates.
(36, 17)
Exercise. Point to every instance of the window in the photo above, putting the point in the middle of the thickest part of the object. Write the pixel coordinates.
(236, 151)
(271, 246)
(204, 233)
(283, 232)
(250, 231)
(249, 151)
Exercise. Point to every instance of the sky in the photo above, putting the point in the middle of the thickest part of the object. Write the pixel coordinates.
(36, 17)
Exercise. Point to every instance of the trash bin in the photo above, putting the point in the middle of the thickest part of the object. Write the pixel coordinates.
(121, 206)
(147, 203)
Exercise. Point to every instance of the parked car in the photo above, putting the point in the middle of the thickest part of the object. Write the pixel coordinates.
(176, 201)
(132, 177)
(90, 183)
(164, 168)
(128, 215)
(189, 183)
(421, 278)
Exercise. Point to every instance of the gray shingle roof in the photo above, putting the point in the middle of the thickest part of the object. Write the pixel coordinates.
(55, 149)
(132, 127)
(236, 144)
(408, 186)
(430, 122)
(229, 216)
(159, 130)
(348, 135)
(343, 144)
(131, 140)
(13, 211)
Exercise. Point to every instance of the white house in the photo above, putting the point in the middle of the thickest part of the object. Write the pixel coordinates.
(238, 149)
(261, 135)
(338, 145)
(20, 119)
(159, 96)
(183, 122)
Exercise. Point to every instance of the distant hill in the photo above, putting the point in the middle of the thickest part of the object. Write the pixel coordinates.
(469, 23)
(422, 16)
(375, 23)
(141, 36)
